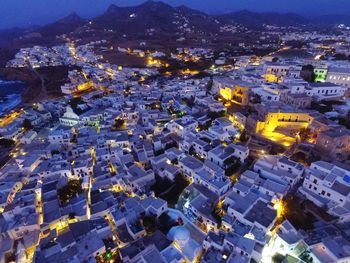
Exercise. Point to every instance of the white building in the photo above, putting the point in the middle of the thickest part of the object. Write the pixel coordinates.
(221, 153)
(339, 76)
(182, 126)
(279, 169)
(325, 90)
(28, 137)
(69, 118)
(328, 185)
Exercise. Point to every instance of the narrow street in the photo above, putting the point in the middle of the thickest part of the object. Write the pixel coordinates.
(43, 91)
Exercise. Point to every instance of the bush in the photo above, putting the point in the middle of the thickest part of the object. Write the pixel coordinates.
(166, 223)
(307, 73)
(150, 224)
(71, 215)
(277, 258)
(244, 136)
(27, 125)
(70, 190)
(232, 165)
(214, 115)
(119, 123)
(170, 191)
(306, 257)
(6, 143)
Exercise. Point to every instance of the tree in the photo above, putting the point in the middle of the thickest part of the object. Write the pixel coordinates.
(53, 152)
(217, 214)
(255, 99)
(27, 125)
(345, 120)
(232, 165)
(6, 143)
(305, 134)
(189, 102)
(192, 151)
(232, 160)
(215, 115)
(150, 224)
(306, 257)
(277, 258)
(71, 215)
(70, 190)
(340, 56)
(244, 136)
(155, 105)
(119, 123)
(307, 73)
(127, 91)
(209, 85)
(75, 102)
(165, 223)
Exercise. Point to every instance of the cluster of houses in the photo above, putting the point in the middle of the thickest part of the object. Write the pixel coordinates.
(40, 56)
(83, 178)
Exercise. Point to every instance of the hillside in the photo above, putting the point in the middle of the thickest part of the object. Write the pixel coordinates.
(161, 24)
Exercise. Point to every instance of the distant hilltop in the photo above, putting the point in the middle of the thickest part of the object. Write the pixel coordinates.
(153, 19)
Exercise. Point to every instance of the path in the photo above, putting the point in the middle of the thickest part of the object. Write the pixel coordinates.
(43, 91)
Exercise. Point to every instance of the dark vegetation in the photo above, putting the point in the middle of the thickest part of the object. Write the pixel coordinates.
(294, 210)
(119, 124)
(70, 190)
(27, 125)
(232, 165)
(324, 105)
(6, 146)
(307, 73)
(170, 191)
(6, 142)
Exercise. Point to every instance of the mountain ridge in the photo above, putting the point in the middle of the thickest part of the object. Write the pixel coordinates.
(158, 19)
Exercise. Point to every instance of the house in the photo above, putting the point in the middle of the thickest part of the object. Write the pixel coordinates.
(189, 166)
(138, 177)
(59, 137)
(334, 143)
(251, 182)
(253, 209)
(339, 76)
(182, 126)
(166, 170)
(328, 185)
(297, 100)
(28, 137)
(287, 240)
(325, 90)
(221, 154)
(233, 90)
(222, 246)
(279, 169)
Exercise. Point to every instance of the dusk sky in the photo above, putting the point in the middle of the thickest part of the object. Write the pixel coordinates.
(37, 12)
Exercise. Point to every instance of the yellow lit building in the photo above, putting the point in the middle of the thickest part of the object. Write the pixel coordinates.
(272, 78)
(235, 91)
(226, 93)
(151, 62)
(9, 118)
(85, 86)
(281, 126)
(190, 72)
(293, 120)
(274, 72)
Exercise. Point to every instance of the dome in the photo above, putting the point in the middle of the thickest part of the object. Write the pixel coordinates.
(181, 235)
